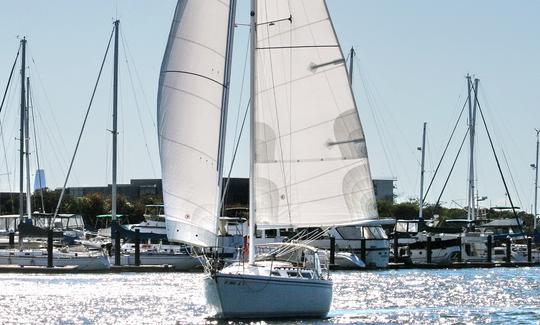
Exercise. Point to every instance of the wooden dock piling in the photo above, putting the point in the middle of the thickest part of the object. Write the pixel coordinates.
(428, 250)
(50, 248)
(529, 249)
(116, 248)
(489, 248)
(508, 249)
(363, 250)
(137, 248)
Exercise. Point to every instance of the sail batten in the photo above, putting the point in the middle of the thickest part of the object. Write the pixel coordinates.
(191, 87)
(311, 165)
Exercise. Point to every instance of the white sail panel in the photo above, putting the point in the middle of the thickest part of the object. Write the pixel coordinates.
(189, 113)
(311, 165)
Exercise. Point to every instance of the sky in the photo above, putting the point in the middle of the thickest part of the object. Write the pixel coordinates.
(410, 68)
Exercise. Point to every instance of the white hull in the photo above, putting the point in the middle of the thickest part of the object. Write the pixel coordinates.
(377, 250)
(473, 250)
(343, 260)
(181, 262)
(83, 262)
(258, 296)
(438, 256)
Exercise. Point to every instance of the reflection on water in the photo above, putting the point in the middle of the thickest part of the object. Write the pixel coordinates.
(419, 296)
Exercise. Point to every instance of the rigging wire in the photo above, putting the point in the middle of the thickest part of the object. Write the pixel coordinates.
(6, 92)
(279, 135)
(237, 132)
(149, 110)
(370, 98)
(9, 79)
(224, 192)
(513, 143)
(108, 123)
(452, 168)
(55, 139)
(499, 165)
(137, 106)
(47, 100)
(445, 149)
(83, 125)
(39, 175)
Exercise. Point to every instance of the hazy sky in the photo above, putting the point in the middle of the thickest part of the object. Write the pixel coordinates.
(411, 65)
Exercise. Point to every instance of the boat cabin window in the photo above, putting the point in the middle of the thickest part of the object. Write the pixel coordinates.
(373, 233)
(349, 232)
(258, 233)
(407, 227)
(285, 232)
(270, 233)
(357, 233)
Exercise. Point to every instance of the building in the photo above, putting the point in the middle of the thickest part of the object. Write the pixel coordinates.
(237, 190)
(137, 188)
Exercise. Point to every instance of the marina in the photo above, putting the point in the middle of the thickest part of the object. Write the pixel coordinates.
(248, 125)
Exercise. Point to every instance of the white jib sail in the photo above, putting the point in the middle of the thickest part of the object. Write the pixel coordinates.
(311, 164)
(189, 113)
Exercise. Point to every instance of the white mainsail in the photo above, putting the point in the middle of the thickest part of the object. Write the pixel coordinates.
(311, 165)
(189, 114)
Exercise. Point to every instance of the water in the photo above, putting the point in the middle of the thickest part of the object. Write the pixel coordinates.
(502, 295)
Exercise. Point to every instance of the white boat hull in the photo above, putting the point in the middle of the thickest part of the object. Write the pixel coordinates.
(33, 258)
(377, 250)
(343, 260)
(180, 262)
(255, 296)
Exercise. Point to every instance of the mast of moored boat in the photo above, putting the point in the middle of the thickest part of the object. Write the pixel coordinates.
(114, 140)
(536, 179)
(253, 47)
(27, 150)
(472, 126)
(422, 170)
(21, 137)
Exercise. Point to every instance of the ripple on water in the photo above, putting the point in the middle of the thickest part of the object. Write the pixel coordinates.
(419, 296)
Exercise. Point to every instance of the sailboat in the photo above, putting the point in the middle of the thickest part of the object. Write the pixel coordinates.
(81, 259)
(308, 156)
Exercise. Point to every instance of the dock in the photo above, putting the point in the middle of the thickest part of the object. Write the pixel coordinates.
(459, 265)
(39, 269)
(74, 269)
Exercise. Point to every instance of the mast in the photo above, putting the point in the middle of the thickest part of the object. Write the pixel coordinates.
(253, 46)
(21, 136)
(473, 135)
(225, 106)
(536, 179)
(27, 150)
(115, 124)
(351, 64)
(422, 170)
(470, 198)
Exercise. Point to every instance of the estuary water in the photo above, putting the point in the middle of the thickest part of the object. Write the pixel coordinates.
(500, 296)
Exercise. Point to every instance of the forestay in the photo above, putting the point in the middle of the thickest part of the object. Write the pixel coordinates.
(189, 113)
(311, 165)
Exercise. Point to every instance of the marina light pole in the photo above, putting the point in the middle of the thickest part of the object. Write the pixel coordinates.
(422, 170)
(536, 179)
